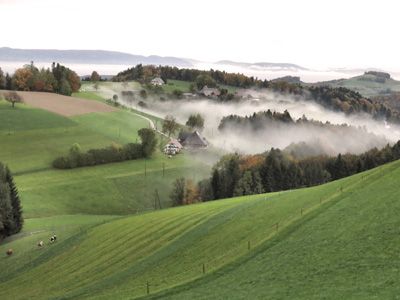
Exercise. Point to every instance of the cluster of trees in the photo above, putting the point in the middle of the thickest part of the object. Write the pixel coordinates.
(315, 134)
(58, 79)
(113, 153)
(195, 122)
(337, 99)
(351, 102)
(236, 175)
(257, 121)
(210, 78)
(11, 220)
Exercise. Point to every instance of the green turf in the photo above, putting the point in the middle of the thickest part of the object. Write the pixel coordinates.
(31, 138)
(328, 244)
(119, 188)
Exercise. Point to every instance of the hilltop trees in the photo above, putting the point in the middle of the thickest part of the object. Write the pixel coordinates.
(59, 79)
(11, 220)
(95, 76)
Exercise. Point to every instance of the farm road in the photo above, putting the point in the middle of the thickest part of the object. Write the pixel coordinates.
(152, 125)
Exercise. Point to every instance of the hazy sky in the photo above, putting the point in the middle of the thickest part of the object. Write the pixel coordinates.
(310, 33)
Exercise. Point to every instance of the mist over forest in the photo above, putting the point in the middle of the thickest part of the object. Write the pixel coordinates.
(357, 134)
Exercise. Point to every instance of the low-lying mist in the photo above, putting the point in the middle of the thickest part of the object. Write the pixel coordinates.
(365, 134)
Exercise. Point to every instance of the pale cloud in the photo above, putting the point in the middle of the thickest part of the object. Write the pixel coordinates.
(310, 33)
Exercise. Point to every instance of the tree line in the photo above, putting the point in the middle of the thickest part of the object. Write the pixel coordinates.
(11, 220)
(235, 175)
(59, 79)
(337, 99)
(114, 153)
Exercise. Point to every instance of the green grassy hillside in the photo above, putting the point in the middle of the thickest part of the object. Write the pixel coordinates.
(335, 241)
(367, 85)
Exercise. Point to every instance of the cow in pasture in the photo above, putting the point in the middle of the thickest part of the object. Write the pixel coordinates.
(9, 252)
(53, 238)
(40, 244)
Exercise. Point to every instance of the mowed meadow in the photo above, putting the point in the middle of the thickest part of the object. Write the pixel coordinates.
(334, 241)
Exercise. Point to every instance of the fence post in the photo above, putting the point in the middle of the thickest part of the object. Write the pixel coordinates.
(248, 245)
(204, 269)
(148, 288)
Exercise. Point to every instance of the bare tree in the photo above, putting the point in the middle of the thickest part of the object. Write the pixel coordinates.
(13, 97)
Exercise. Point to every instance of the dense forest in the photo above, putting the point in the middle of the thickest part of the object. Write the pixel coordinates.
(58, 79)
(11, 220)
(308, 137)
(236, 175)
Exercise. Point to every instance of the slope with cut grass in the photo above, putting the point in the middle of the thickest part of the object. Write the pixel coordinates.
(338, 240)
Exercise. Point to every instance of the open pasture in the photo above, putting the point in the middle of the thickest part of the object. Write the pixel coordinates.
(234, 248)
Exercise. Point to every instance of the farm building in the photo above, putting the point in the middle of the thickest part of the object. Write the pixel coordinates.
(193, 140)
(173, 147)
(248, 94)
(208, 92)
(157, 81)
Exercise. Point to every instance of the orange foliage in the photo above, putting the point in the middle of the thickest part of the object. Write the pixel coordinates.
(22, 78)
(246, 162)
(74, 81)
(191, 195)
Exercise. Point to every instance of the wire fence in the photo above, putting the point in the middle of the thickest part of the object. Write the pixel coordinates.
(199, 269)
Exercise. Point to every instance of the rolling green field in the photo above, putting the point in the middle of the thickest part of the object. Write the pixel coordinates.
(336, 241)
(366, 85)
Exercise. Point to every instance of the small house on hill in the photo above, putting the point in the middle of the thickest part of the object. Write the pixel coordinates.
(173, 147)
(208, 92)
(193, 140)
(248, 94)
(157, 81)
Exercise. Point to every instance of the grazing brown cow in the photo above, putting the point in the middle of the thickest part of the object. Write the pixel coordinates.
(40, 244)
(9, 252)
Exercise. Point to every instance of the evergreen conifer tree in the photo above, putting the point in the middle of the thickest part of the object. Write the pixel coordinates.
(15, 202)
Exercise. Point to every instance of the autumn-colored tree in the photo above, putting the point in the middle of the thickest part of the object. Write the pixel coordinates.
(95, 76)
(248, 161)
(74, 81)
(24, 79)
(191, 195)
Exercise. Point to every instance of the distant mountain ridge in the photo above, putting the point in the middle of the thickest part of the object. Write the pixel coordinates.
(121, 58)
(88, 57)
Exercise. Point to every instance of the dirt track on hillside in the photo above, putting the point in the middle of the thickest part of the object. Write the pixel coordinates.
(64, 105)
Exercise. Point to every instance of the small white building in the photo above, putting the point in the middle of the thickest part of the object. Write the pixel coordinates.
(173, 147)
(157, 81)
